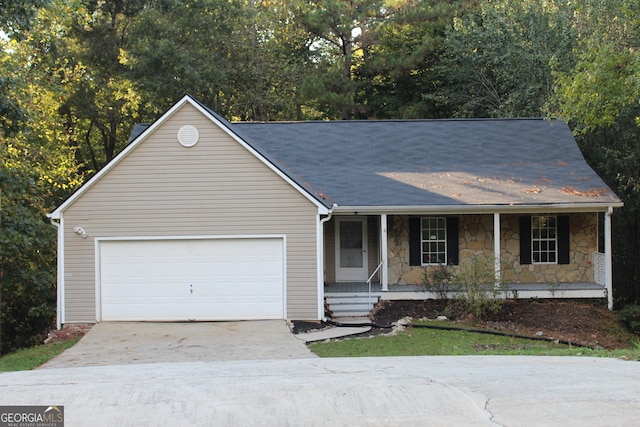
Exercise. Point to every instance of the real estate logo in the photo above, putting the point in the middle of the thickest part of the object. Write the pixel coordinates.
(31, 416)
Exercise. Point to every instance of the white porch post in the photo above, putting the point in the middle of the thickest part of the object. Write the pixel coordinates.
(383, 253)
(608, 270)
(496, 247)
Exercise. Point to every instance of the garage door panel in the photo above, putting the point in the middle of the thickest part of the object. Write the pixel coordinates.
(208, 279)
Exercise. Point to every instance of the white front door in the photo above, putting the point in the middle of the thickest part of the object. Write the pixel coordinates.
(351, 249)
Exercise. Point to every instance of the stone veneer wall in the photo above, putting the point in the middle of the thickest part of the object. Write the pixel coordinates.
(476, 239)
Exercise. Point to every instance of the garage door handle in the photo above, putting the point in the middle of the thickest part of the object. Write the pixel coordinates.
(190, 288)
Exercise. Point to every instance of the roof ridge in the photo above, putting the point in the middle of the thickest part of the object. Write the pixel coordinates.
(472, 119)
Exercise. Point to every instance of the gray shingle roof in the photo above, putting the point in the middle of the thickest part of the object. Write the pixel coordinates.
(409, 163)
(431, 162)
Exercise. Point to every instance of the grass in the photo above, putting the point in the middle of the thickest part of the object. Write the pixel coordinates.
(431, 342)
(30, 358)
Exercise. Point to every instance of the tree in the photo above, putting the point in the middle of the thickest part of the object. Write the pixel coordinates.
(15, 19)
(287, 60)
(101, 103)
(399, 69)
(498, 60)
(339, 32)
(35, 172)
(605, 79)
(182, 47)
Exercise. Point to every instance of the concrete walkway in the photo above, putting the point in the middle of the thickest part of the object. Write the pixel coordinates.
(386, 391)
(123, 343)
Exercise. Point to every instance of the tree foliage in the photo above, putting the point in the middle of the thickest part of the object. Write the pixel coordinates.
(401, 70)
(35, 173)
(498, 59)
(605, 80)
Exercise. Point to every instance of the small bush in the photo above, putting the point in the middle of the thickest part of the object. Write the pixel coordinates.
(480, 297)
(630, 317)
(437, 279)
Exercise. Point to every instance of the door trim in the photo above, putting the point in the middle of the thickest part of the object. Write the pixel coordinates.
(352, 274)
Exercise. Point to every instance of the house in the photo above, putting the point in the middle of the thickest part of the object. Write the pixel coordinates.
(202, 219)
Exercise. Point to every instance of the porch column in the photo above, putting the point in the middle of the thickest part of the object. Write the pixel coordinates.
(496, 247)
(384, 277)
(608, 270)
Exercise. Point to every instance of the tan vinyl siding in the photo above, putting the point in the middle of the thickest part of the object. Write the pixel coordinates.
(330, 251)
(215, 188)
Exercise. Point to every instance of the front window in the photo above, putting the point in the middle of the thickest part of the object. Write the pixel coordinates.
(434, 240)
(544, 239)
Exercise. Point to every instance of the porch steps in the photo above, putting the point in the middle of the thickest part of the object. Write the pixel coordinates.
(352, 304)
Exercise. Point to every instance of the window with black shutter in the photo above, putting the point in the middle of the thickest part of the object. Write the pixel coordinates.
(433, 241)
(544, 239)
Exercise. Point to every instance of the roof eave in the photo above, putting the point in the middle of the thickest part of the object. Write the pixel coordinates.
(479, 209)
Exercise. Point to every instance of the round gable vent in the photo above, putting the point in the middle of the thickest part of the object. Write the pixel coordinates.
(188, 136)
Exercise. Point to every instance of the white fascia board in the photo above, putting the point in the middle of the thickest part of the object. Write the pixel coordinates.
(478, 209)
(145, 134)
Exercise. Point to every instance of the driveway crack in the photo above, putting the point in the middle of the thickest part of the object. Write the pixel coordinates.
(492, 416)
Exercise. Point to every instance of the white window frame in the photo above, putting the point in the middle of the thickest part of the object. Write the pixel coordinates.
(433, 239)
(544, 239)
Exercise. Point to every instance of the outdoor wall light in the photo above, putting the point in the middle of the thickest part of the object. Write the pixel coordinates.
(80, 231)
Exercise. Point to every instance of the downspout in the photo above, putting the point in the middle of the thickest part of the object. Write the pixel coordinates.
(384, 253)
(496, 249)
(59, 273)
(321, 260)
(608, 257)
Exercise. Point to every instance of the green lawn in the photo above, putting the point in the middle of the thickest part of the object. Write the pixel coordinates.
(431, 342)
(30, 358)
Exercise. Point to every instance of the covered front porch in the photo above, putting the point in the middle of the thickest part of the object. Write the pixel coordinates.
(368, 258)
(356, 299)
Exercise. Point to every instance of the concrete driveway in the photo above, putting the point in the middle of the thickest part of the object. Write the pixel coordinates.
(123, 343)
(384, 391)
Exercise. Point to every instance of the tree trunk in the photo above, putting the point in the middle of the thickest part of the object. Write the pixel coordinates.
(347, 93)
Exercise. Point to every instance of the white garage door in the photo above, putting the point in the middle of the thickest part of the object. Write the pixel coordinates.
(199, 279)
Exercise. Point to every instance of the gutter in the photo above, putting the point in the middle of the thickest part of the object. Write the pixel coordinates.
(479, 209)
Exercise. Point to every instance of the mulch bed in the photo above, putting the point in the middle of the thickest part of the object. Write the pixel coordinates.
(68, 332)
(581, 322)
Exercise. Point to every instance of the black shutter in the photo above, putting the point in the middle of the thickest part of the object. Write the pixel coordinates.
(563, 239)
(525, 240)
(452, 241)
(415, 241)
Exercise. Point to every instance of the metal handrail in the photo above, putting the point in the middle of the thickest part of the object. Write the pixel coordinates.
(371, 277)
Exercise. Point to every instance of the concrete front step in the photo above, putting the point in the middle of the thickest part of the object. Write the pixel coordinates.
(351, 305)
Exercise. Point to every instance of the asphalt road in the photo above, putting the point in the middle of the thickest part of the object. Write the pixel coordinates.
(385, 391)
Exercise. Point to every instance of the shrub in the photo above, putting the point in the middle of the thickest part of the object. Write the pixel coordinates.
(437, 279)
(630, 317)
(480, 296)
